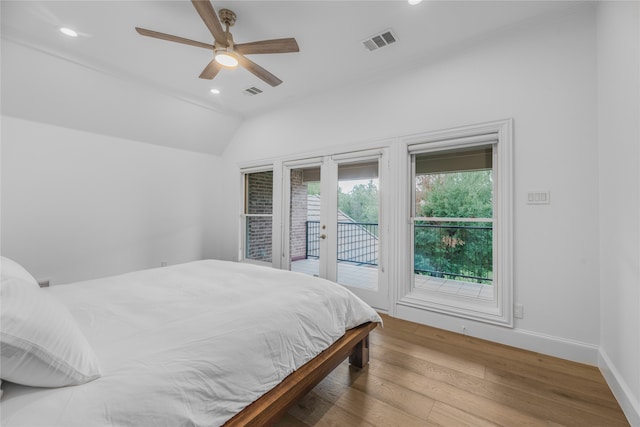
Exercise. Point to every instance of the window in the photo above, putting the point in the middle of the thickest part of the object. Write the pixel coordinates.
(453, 222)
(258, 216)
(460, 223)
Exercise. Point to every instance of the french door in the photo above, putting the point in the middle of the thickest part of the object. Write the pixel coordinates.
(334, 222)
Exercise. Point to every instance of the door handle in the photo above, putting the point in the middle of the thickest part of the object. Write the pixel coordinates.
(323, 236)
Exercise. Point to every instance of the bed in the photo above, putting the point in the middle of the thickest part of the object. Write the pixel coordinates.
(203, 343)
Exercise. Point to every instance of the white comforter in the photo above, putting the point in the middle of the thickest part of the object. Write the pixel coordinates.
(188, 345)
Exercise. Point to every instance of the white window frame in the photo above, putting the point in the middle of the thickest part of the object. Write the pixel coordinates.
(498, 311)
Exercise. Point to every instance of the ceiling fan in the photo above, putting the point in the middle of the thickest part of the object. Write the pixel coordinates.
(227, 54)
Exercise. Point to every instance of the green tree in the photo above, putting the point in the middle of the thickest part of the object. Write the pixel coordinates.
(459, 248)
(361, 203)
(459, 195)
(313, 188)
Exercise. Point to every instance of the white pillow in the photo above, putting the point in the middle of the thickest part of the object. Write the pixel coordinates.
(10, 268)
(41, 344)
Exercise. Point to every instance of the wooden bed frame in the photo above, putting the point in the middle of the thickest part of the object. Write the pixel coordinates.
(275, 403)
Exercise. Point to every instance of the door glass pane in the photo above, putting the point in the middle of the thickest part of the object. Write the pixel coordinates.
(358, 231)
(304, 221)
(258, 216)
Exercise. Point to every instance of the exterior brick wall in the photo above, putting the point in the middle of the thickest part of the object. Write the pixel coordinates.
(259, 201)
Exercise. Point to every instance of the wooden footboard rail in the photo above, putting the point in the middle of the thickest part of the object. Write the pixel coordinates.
(275, 403)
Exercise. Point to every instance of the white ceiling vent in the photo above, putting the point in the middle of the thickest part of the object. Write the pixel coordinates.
(252, 91)
(379, 40)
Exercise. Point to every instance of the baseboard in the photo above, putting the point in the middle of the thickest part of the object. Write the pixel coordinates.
(541, 343)
(630, 406)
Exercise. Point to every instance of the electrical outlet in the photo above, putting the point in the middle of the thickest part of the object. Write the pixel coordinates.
(163, 263)
(463, 330)
(518, 311)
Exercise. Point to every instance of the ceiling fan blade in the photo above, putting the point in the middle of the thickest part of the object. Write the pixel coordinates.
(268, 46)
(171, 38)
(208, 15)
(211, 70)
(258, 71)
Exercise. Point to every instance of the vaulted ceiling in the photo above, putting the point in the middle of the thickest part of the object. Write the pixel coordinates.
(114, 81)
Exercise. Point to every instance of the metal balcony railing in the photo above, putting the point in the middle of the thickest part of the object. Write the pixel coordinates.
(454, 251)
(446, 251)
(357, 242)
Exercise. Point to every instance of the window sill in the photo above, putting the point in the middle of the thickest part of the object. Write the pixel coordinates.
(451, 298)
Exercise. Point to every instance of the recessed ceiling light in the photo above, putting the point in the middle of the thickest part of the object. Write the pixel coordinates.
(414, 2)
(215, 91)
(68, 32)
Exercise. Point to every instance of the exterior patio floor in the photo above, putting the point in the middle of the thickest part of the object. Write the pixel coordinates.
(366, 277)
(356, 275)
(454, 287)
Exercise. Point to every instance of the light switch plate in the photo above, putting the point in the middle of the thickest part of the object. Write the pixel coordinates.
(538, 197)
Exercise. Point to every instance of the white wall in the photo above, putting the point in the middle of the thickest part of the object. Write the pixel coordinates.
(78, 205)
(619, 157)
(543, 75)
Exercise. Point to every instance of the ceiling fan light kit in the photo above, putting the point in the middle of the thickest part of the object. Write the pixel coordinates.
(226, 59)
(226, 54)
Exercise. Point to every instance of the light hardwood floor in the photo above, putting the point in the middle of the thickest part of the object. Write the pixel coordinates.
(422, 376)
